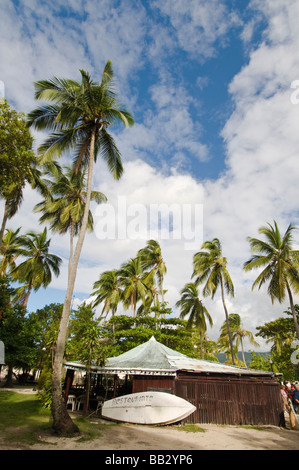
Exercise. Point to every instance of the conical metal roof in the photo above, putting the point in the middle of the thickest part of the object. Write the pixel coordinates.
(149, 355)
(154, 358)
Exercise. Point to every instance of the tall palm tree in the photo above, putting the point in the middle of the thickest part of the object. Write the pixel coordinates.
(107, 290)
(64, 207)
(132, 281)
(238, 334)
(151, 258)
(281, 264)
(36, 271)
(78, 115)
(190, 304)
(210, 267)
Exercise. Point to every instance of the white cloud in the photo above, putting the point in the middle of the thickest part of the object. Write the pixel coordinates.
(198, 26)
(261, 177)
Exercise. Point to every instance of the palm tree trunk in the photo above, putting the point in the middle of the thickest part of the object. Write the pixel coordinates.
(293, 311)
(71, 249)
(62, 423)
(86, 401)
(201, 344)
(162, 296)
(243, 355)
(26, 297)
(227, 324)
(4, 220)
(134, 309)
(113, 326)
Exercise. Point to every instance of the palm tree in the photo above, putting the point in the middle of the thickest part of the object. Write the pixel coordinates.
(151, 258)
(64, 208)
(36, 271)
(132, 281)
(10, 250)
(281, 264)
(12, 204)
(238, 334)
(210, 267)
(191, 305)
(107, 290)
(14, 196)
(78, 116)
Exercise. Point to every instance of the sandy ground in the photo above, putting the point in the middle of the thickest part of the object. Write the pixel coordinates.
(127, 437)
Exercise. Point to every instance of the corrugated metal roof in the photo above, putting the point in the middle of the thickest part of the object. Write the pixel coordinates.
(155, 358)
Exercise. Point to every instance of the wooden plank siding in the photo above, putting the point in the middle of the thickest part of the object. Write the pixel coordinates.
(222, 399)
(232, 400)
(143, 383)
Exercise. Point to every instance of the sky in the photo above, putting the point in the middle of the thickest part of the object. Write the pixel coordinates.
(213, 88)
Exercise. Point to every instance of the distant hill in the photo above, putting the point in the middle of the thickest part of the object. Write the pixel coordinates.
(223, 358)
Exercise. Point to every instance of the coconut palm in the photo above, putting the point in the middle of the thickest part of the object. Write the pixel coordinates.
(64, 208)
(152, 303)
(37, 268)
(191, 305)
(132, 281)
(210, 267)
(14, 196)
(107, 290)
(281, 264)
(10, 250)
(12, 203)
(151, 258)
(78, 115)
(238, 334)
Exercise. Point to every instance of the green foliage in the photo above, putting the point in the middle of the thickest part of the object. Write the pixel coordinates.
(16, 155)
(260, 362)
(44, 387)
(280, 333)
(85, 337)
(172, 332)
(18, 338)
(280, 262)
(64, 206)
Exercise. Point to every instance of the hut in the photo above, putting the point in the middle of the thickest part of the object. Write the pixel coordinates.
(222, 394)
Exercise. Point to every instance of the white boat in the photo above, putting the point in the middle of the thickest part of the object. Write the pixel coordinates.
(147, 408)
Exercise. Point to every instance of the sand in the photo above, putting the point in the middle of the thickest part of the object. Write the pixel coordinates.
(133, 437)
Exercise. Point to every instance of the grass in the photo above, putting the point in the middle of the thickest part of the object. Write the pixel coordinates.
(191, 428)
(23, 420)
(21, 417)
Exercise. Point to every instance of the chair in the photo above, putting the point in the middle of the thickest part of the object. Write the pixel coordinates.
(79, 402)
(71, 400)
(99, 404)
(100, 401)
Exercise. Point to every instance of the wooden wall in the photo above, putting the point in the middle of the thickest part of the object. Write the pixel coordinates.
(222, 399)
(142, 383)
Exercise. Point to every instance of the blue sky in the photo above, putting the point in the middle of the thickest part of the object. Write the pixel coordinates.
(209, 84)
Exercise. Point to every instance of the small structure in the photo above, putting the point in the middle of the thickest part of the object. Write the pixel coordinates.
(221, 393)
